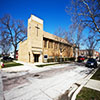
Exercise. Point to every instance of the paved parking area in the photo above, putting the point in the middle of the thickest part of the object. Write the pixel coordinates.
(47, 83)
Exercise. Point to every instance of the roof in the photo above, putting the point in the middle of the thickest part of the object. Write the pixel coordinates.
(55, 38)
(35, 19)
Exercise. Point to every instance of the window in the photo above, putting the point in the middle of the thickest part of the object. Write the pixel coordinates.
(48, 44)
(45, 43)
(55, 46)
(60, 45)
(51, 44)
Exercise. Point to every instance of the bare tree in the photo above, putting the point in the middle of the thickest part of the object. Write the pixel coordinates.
(75, 36)
(86, 12)
(60, 35)
(63, 41)
(91, 43)
(5, 44)
(15, 29)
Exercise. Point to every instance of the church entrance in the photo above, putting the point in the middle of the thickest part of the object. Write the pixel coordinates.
(36, 57)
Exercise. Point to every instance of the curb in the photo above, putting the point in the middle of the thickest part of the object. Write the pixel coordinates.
(82, 85)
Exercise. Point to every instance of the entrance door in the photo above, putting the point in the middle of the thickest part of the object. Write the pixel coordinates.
(36, 57)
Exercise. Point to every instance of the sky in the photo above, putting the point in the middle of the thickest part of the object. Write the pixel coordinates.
(51, 11)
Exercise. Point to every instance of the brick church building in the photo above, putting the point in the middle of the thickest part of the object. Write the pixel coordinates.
(41, 45)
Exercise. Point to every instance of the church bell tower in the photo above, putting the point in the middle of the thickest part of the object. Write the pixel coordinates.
(35, 38)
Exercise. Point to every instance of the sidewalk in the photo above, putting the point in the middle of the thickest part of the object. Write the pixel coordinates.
(1, 88)
(93, 84)
(90, 83)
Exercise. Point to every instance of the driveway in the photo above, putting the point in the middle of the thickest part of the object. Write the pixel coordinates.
(47, 83)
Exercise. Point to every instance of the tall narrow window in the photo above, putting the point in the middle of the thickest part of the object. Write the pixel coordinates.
(55, 45)
(45, 43)
(48, 44)
(51, 44)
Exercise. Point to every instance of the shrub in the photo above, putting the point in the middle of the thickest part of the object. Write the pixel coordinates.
(50, 60)
(5, 61)
(72, 59)
(60, 59)
(66, 59)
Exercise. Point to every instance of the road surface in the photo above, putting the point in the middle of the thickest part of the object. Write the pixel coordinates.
(46, 83)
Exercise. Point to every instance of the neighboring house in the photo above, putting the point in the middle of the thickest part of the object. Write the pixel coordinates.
(96, 54)
(88, 53)
(41, 45)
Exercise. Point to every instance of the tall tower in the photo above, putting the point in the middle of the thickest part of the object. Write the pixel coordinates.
(35, 38)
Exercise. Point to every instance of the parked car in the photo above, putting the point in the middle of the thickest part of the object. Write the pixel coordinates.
(81, 58)
(91, 62)
(6, 58)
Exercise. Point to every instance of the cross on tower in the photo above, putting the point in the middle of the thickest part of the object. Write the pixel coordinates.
(37, 29)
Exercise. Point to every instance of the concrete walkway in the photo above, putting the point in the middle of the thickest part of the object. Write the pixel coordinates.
(1, 87)
(93, 84)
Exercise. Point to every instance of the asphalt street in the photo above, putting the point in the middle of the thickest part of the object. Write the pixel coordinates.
(47, 83)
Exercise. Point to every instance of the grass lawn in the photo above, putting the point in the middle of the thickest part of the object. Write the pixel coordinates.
(11, 64)
(96, 76)
(88, 94)
(52, 64)
(45, 65)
